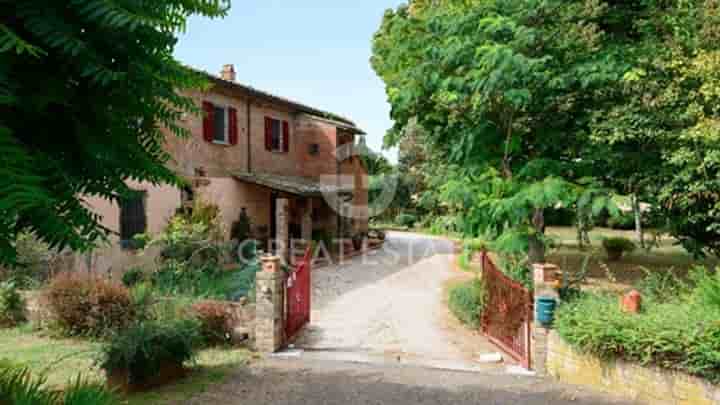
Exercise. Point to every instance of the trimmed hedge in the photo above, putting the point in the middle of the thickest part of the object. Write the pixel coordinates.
(681, 334)
(466, 302)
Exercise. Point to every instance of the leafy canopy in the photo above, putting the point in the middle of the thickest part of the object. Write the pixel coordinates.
(87, 90)
(501, 89)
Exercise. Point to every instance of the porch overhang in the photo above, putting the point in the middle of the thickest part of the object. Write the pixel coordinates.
(300, 186)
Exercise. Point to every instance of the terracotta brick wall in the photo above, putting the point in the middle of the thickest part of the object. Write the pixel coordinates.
(194, 152)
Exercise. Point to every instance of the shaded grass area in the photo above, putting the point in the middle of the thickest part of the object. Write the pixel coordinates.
(61, 360)
(633, 267)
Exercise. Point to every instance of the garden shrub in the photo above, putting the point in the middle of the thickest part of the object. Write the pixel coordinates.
(406, 220)
(12, 305)
(216, 321)
(88, 306)
(466, 302)
(624, 221)
(241, 229)
(678, 335)
(707, 287)
(178, 278)
(145, 347)
(133, 276)
(615, 247)
(34, 261)
(662, 286)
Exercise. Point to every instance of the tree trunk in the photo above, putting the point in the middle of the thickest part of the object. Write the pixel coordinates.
(536, 245)
(639, 232)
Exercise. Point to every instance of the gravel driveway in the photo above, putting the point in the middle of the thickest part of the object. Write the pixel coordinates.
(390, 301)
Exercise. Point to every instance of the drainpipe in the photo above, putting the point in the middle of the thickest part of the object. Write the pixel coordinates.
(249, 163)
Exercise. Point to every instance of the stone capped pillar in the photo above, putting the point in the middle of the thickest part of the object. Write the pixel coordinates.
(270, 306)
(282, 221)
(547, 278)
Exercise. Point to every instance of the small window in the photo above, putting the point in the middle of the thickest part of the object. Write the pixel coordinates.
(314, 149)
(220, 126)
(133, 219)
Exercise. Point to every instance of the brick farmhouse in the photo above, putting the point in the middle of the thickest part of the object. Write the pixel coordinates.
(249, 150)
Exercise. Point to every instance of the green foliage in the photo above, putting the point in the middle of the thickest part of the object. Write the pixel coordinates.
(176, 278)
(406, 220)
(193, 255)
(19, 387)
(34, 261)
(707, 287)
(145, 346)
(82, 392)
(466, 302)
(662, 286)
(618, 245)
(527, 106)
(241, 228)
(677, 334)
(12, 305)
(625, 221)
(133, 277)
(101, 76)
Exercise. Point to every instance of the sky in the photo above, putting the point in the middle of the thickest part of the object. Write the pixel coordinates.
(316, 52)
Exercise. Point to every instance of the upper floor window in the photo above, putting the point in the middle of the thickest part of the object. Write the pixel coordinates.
(220, 130)
(277, 135)
(220, 124)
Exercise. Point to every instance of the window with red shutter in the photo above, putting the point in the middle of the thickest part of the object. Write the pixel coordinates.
(277, 135)
(233, 130)
(208, 121)
(286, 136)
(268, 133)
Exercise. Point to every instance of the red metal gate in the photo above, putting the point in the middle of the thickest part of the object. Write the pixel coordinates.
(297, 298)
(508, 313)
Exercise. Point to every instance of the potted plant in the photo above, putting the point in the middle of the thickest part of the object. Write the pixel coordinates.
(617, 247)
(357, 241)
(149, 354)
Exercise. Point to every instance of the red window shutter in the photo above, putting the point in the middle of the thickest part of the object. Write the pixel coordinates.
(208, 121)
(286, 136)
(233, 130)
(268, 133)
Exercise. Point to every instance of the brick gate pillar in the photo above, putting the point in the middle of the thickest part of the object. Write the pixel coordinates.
(270, 306)
(545, 280)
(282, 221)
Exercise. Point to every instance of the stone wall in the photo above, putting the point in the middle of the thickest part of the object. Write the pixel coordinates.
(642, 384)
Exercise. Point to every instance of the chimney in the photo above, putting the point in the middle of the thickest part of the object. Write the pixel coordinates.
(228, 73)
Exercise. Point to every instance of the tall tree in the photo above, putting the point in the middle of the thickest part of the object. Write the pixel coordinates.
(501, 87)
(86, 87)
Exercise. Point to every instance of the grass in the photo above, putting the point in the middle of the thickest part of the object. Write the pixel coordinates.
(633, 267)
(63, 359)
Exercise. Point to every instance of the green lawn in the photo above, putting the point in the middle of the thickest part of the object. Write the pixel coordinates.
(62, 360)
(630, 269)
